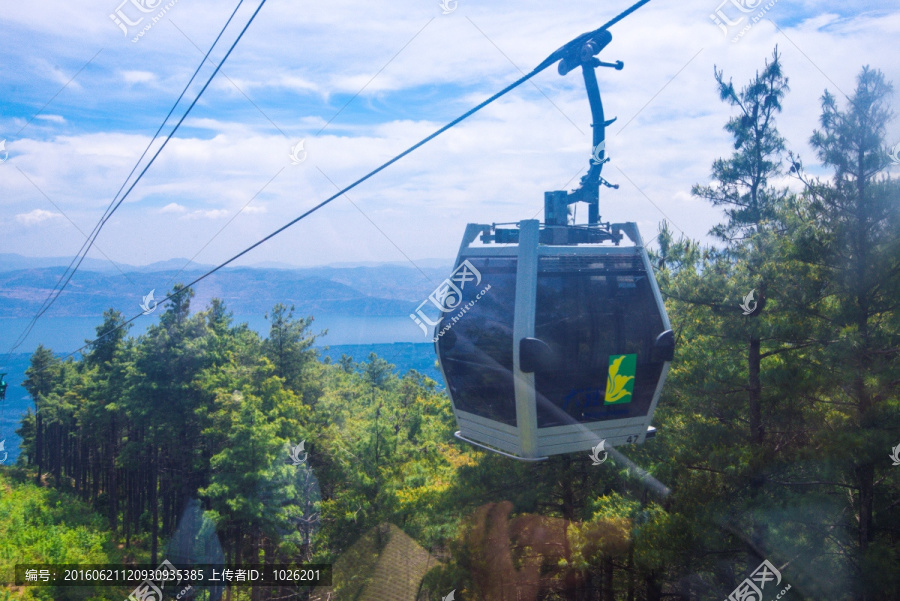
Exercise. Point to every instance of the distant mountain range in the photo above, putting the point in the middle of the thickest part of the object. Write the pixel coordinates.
(14, 262)
(387, 289)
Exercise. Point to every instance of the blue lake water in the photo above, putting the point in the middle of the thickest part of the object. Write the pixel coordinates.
(67, 334)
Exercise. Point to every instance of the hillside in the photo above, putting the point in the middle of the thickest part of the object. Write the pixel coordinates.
(44, 525)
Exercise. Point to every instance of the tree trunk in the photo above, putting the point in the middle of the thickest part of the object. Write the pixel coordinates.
(129, 508)
(83, 470)
(755, 391)
(154, 506)
(630, 568)
(608, 573)
(586, 587)
(95, 478)
(865, 475)
(654, 589)
(256, 591)
(229, 555)
(111, 466)
(866, 472)
(57, 454)
(269, 546)
(39, 445)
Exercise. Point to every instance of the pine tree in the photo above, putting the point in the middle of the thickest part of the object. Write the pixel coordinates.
(854, 253)
(289, 345)
(742, 186)
(40, 381)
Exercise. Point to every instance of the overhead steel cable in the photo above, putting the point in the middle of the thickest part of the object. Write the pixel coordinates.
(66, 277)
(550, 60)
(323, 203)
(110, 208)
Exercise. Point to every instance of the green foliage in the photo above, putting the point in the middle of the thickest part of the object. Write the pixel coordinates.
(742, 181)
(774, 427)
(44, 526)
(289, 345)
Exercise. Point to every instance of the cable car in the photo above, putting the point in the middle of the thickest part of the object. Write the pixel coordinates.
(3, 385)
(554, 337)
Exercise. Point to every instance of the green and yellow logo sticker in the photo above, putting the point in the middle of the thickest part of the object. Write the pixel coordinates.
(620, 381)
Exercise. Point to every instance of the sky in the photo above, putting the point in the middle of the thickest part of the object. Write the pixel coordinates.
(357, 82)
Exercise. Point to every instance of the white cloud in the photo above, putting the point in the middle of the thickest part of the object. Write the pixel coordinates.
(208, 214)
(493, 167)
(36, 217)
(52, 118)
(138, 76)
(288, 82)
(173, 207)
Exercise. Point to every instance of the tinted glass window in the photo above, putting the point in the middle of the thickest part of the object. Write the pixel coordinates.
(589, 309)
(475, 341)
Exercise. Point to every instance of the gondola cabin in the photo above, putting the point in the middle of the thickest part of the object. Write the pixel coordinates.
(553, 337)
(549, 346)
